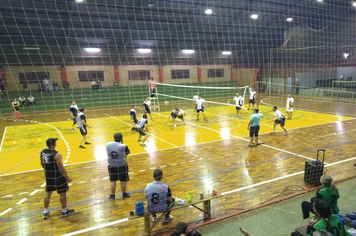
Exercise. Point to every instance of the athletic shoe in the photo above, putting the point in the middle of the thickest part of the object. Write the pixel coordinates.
(154, 219)
(112, 197)
(67, 213)
(139, 140)
(126, 196)
(175, 125)
(143, 145)
(167, 219)
(46, 215)
(197, 119)
(87, 143)
(81, 146)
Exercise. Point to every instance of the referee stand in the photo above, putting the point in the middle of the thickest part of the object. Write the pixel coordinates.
(154, 99)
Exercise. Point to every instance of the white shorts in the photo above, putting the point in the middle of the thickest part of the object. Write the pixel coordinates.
(289, 109)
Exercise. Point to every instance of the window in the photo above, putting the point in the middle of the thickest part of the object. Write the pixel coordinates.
(180, 74)
(139, 74)
(89, 75)
(33, 77)
(215, 73)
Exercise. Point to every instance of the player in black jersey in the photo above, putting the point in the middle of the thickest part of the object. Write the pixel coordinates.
(56, 176)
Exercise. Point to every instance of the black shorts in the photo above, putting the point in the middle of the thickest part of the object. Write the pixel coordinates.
(238, 108)
(74, 120)
(139, 130)
(120, 173)
(254, 130)
(59, 184)
(17, 109)
(83, 130)
(281, 122)
(251, 101)
(134, 119)
(147, 109)
(174, 115)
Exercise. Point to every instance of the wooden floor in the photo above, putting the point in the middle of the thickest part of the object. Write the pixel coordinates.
(197, 157)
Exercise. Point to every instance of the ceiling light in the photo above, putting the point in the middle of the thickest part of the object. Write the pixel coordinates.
(346, 55)
(30, 48)
(188, 51)
(79, 1)
(289, 19)
(150, 4)
(92, 49)
(254, 16)
(319, 0)
(354, 4)
(208, 11)
(144, 50)
(226, 53)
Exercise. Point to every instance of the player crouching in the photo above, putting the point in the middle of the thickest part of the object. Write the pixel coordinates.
(177, 113)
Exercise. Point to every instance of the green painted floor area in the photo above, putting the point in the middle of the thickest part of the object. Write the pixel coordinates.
(280, 218)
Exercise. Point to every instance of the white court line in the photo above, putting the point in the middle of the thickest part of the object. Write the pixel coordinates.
(21, 201)
(23, 193)
(34, 192)
(96, 227)
(278, 149)
(43, 185)
(2, 140)
(6, 211)
(261, 183)
(7, 196)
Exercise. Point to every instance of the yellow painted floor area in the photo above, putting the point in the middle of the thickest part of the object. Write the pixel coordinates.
(22, 144)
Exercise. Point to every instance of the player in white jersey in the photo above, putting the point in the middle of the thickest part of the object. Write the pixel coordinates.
(146, 107)
(252, 99)
(239, 103)
(73, 112)
(140, 126)
(159, 197)
(195, 98)
(289, 107)
(279, 119)
(200, 107)
(177, 113)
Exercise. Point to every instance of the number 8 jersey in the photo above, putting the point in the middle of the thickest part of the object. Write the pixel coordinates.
(156, 196)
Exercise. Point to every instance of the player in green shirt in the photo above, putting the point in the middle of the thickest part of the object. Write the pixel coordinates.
(327, 221)
(328, 193)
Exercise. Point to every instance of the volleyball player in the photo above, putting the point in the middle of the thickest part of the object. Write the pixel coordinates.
(239, 103)
(140, 128)
(200, 107)
(289, 108)
(74, 112)
(195, 98)
(279, 119)
(252, 99)
(133, 114)
(16, 108)
(82, 125)
(177, 113)
(146, 107)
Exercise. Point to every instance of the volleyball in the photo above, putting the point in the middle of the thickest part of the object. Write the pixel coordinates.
(166, 102)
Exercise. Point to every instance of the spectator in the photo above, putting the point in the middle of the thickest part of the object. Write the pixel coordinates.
(98, 84)
(31, 101)
(182, 226)
(40, 87)
(25, 87)
(159, 197)
(22, 101)
(297, 86)
(116, 84)
(193, 232)
(65, 84)
(328, 193)
(93, 84)
(46, 85)
(55, 87)
(152, 87)
(329, 222)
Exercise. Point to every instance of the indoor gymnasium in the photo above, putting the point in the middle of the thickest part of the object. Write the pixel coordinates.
(177, 117)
